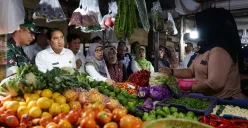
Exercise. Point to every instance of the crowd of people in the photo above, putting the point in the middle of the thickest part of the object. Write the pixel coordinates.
(214, 65)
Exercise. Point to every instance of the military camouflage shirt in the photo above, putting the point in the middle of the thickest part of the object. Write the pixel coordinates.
(15, 54)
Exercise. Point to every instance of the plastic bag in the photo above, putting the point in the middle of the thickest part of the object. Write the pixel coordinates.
(12, 15)
(50, 10)
(141, 6)
(109, 19)
(157, 17)
(170, 26)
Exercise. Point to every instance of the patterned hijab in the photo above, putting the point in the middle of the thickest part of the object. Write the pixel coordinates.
(91, 58)
(142, 62)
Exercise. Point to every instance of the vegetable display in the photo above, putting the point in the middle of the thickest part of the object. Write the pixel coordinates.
(141, 6)
(230, 110)
(125, 20)
(217, 122)
(189, 102)
(166, 112)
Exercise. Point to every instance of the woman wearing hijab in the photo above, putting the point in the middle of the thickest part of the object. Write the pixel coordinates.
(215, 68)
(95, 65)
(116, 69)
(164, 55)
(140, 61)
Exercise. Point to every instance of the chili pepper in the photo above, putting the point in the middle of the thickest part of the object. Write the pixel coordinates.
(204, 119)
(240, 121)
(213, 123)
(213, 117)
(236, 127)
(224, 123)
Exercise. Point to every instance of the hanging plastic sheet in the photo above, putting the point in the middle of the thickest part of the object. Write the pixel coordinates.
(50, 10)
(141, 6)
(12, 14)
(157, 17)
(109, 19)
(170, 26)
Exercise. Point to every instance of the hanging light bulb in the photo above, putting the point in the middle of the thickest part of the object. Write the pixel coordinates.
(193, 34)
(244, 39)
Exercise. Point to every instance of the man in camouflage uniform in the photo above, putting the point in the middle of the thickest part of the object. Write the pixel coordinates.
(15, 54)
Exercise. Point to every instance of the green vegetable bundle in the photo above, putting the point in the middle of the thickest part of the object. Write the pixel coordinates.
(125, 20)
(141, 6)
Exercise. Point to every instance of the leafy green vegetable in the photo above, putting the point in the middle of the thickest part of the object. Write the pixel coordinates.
(189, 102)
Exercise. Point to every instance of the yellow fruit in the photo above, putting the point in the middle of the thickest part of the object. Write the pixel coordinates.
(13, 105)
(32, 97)
(26, 95)
(46, 114)
(70, 95)
(5, 103)
(32, 104)
(65, 108)
(52, 101)
(37, 127)
(47, 93)
(96, 97)
(44, 103)
(38, 92)
(75, 105)
(55, 109)
(60, 99)
(21, 111)
(35, 112)
(55, 95)
(52, 125)
(22, 103)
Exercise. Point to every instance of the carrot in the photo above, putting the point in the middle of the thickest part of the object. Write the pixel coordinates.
(36, 121)
(8, 97)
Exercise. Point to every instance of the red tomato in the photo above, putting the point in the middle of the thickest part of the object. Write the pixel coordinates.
(127, 121)
(45, 120)
(88, 122)
(111, 125)
(104, 117)
(64, 124)
(3, 118)
(137, 123)
(62, 115)
(56, 119)
(75, 112)
(87, 106)
(12, 121)
(88, 113)
(72, 118)
(23, 125)
(118, 113)
(25, 118)
(10, 112)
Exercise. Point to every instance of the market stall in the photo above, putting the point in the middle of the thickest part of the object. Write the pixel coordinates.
(65, 98)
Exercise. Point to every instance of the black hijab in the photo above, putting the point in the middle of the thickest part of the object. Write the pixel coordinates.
(217, 28)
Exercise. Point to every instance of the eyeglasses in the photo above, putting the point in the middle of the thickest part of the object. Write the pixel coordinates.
(98, 50)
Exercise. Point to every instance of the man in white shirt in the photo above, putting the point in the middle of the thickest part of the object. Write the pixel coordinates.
(41, 44)
(74, 45)
(55, 55)
(188, 53)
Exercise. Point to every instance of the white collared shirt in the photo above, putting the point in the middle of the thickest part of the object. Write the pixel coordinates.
(81, 56)
(47, 59)
(184, 63)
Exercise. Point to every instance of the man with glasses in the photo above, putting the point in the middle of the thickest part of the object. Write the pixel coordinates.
(15, 55)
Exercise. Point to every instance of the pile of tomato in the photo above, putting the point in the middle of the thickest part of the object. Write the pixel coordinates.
(97, 116)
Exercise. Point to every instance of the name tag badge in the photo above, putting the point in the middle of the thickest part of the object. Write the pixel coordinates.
(55, 63)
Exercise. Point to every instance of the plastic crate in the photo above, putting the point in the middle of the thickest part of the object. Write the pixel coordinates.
(234, 102)
(211, 100)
